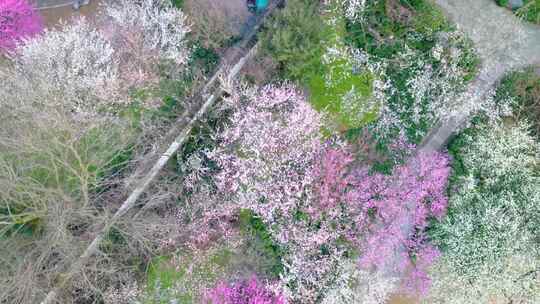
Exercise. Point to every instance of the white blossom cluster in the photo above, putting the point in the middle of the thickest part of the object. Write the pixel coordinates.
(515, 282)
(73, 68)
(85, 70)
(125, 294)
(355, 285)
(307, 274)
(354, 10)
(434, 92)
(163, 26)
(490, 237)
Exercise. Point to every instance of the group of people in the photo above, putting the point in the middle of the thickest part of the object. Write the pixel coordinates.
(257, 5)
(252, 5)
(78, 3)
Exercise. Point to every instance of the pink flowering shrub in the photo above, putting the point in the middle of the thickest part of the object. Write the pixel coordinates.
(331, 181)
(386, 215)
(316, 201)
(393, 213)
(266, 152)
(18, 20)
(268, 157)
(251, 291)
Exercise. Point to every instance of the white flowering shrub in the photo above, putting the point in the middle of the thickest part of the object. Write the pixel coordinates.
(355, 285)
(354, 9)
(162, 26)
(490, 237)
(515, 279)
(124, 294)
(423, 88)
(73, 68)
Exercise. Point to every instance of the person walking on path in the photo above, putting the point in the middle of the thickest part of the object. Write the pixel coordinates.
(78, 3)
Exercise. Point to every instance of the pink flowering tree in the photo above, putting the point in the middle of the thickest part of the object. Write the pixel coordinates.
(268, 157)
(250, 291)
(266, 152)
(393, 213)
(18, 20)
(316, 200)
(385, 216)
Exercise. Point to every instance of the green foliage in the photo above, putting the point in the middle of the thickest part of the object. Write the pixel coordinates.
(521, 90)
(339, 90)
(180, 277)
(384, 36)
(298, 39)
(530, 11)
(259, 241)
(293, 38)
(204, 59)
(178, 3)
(429, 19)
(162, 278)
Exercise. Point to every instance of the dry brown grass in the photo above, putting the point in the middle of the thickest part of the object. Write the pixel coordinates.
(214, 22)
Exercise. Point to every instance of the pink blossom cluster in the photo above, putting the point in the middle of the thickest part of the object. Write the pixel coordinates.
(266, 152)
(393, 214)
(250, 291)
(313, 195)
(269, 156)
(386, 215)
(18, 20)
(331, 181)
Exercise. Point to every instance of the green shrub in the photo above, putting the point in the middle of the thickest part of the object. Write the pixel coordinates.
(178, 3)
(530, 11)
(522, 90)
(183, 276)
(298, 39)
(293, 38)
(260, 243)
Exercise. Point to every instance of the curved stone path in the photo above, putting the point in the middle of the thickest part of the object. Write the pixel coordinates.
(503, 43)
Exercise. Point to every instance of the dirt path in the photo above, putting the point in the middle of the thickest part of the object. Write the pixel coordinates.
(503, 43)
(54, 16)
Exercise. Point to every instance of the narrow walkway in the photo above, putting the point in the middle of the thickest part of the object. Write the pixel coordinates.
(503, 43)
(54, 17)
(47, 4)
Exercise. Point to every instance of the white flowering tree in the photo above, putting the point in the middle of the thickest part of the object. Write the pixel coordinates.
(355, 285)
(88, 70)
(162, 27)
(72, 68)
(149, 38)
(490, 237)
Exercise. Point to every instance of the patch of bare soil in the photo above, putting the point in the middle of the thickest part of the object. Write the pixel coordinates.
(215, 22)
(236, 11)
(54, 16)
(401, 299)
